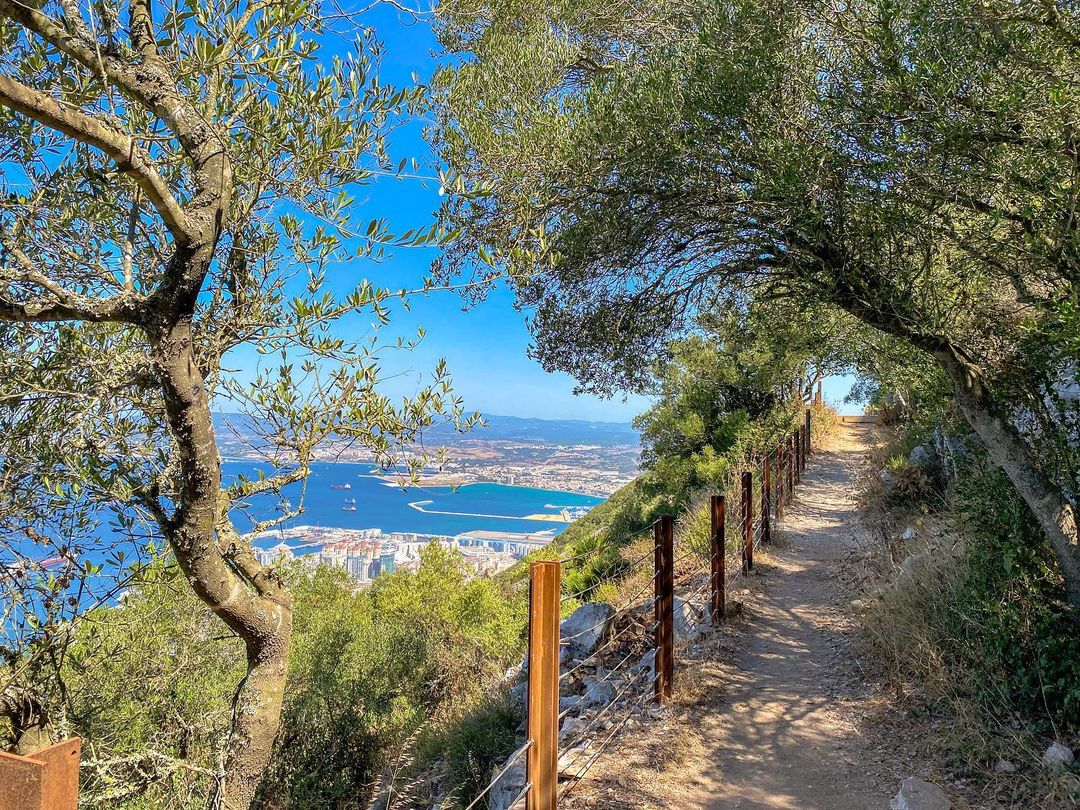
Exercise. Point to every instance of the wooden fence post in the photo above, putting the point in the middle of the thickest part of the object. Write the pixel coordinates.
(716, 554)
(664, 605)
(46, 780)
(542, 761)
(748, 521)
(766, 498)
(806, 431)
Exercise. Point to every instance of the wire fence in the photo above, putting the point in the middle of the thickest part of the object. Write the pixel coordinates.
(585, 685)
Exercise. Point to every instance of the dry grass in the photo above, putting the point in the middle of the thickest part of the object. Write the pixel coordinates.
(908, 618)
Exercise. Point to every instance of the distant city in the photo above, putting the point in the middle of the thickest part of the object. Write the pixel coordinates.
(366, 553)
(591, 458)
(498, 483)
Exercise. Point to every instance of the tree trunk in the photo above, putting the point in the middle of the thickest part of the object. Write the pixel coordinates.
(222, 569)
(868, 296)
(1009, 451)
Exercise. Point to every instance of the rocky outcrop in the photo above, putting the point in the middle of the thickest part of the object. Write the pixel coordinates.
(583, 630)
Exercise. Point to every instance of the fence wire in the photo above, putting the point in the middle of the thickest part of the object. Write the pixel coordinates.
(641, 639)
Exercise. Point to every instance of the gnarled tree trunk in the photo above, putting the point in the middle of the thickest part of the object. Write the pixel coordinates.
(221, 570)
(1009, 451)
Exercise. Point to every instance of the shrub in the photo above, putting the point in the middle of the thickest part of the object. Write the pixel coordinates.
(415, 654)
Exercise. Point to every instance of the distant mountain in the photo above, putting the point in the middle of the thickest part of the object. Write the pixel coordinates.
(547, 431)
(498, 429)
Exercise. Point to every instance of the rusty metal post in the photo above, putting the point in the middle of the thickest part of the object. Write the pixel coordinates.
(780, 481)
(806, 437)
(748, 521)
(789, 456)
(766, 498)
(664, 605)
(716, 556)
(46, 780)
(542, 762)
(797, 439)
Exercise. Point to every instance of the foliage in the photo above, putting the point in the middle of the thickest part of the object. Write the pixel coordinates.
(415, 653)
(179, 201)
(980, 614)
(1017, 638)
(634, 166)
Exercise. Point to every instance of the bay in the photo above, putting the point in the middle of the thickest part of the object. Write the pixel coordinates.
(425, 510)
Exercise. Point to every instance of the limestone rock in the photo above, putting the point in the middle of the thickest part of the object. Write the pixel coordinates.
(572, 726)
(573, 762)
(518, 695)
(569, 702)
(1058, 757)
(915, 794)
(687, 619)
(503, 793)
(647, 661)
(598, 692)
(583, 629)
(921, 456)
(889, 481)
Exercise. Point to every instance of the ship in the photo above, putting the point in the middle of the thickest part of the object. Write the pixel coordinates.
(349, 507)
(341, 486)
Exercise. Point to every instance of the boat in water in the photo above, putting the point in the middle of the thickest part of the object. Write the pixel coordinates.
(349, 507)
(341, 486)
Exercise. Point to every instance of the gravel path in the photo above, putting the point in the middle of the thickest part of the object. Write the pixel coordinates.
(771, 716)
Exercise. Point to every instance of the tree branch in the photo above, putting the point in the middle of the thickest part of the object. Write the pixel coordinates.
(129, 157)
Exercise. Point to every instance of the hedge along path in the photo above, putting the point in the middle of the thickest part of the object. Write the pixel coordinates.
(775, 722)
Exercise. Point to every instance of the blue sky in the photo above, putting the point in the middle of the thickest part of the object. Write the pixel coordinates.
(485, 347)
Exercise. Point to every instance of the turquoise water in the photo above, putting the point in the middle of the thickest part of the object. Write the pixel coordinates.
(386, 507)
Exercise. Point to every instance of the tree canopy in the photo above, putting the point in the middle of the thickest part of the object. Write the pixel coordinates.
(633, 165)
(179, 188)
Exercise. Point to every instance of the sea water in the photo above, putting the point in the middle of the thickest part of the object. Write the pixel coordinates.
(446, 511)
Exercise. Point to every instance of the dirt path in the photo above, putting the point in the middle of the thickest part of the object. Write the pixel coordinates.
(772, 717)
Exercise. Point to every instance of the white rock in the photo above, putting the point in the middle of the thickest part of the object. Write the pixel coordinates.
(598, 692)
(915, 794)
(687, 619)
(909, 534)
(512, 783)
(583, 629)
(1005, 766)
(1058, 757)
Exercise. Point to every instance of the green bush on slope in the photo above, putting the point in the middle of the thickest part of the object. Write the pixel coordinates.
(368, 668)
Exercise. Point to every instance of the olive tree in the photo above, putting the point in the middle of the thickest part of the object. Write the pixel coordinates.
(178, 198)
(911, 163)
